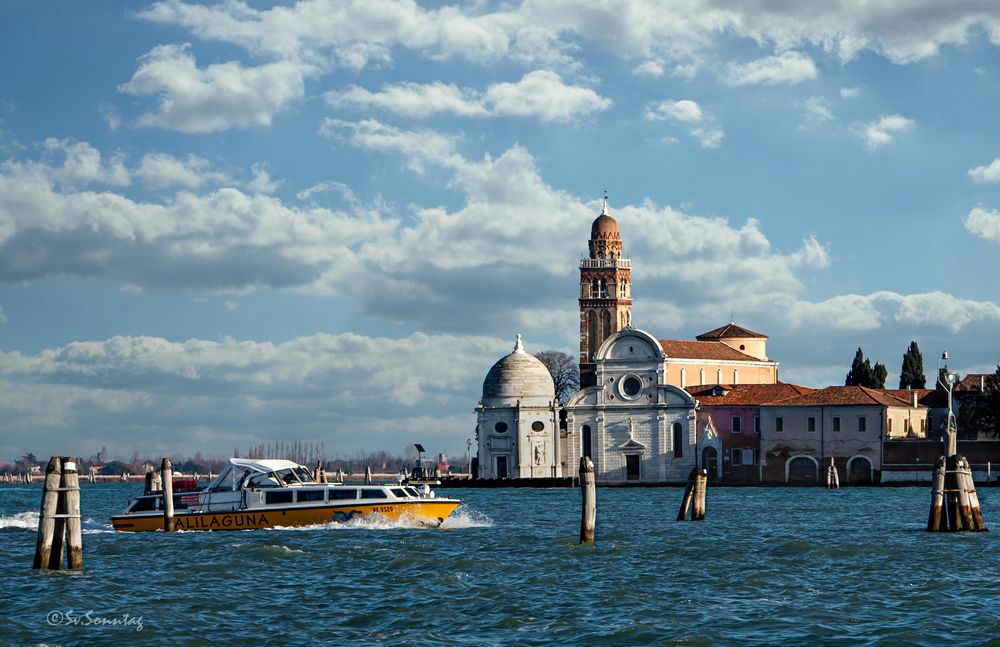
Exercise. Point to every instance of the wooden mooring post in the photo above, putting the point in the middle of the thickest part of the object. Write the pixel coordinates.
(59, 522)
(167, 478)
(368, 475)
(832, 477)
(954, 501)
(694, 495)
(588, 490)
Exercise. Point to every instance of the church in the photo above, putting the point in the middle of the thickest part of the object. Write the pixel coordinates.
(632, 415)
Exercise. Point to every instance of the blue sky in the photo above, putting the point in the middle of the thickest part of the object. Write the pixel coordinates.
(230, 223)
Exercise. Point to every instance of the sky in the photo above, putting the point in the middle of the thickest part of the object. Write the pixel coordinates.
(230, 223)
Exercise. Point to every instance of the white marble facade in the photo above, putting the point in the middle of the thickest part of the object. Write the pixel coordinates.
(633, 425)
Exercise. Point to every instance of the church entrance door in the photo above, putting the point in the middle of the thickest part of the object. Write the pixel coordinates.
(631, 467)
(710, 461)
(501, 467)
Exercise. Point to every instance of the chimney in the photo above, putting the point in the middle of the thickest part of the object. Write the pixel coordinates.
(914, 394)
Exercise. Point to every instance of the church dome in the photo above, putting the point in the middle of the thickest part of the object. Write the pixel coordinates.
(604, 227)
(518, 377)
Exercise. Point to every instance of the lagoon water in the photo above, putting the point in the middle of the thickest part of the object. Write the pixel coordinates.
(768, 566)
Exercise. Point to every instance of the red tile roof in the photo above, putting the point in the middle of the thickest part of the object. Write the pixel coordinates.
(727, 331)
(746, 395)
(926, 397)
(972, 382)
(846, 395)
(709, 350)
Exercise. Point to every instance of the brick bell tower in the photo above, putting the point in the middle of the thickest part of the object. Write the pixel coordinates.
(605, 292)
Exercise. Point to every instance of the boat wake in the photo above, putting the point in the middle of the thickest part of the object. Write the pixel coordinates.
(461, 519)
(29, 521)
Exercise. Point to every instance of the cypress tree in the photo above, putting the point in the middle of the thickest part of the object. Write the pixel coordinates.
(857, 372)
(862, 372)
(911, 375)
(879, 374)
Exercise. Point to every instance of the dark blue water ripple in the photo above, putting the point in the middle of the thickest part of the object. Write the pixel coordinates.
(768, 566)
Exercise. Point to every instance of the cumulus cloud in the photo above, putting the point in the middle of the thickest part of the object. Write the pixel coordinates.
(217, 97)
(881, 131)
(984, 224)
(84, 164)
(540, 94)
(355, 392)
(849, 92)
(787, 67)
(989, 173)
(163, 170)
(355, 33)
(686, 112)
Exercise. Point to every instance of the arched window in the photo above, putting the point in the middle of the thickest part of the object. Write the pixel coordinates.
(588, 446)
(678, 440)
(607, 325)
(604, 289)
(736, 376)
(701, 376)
(595, 289)
(622, 289)
(718, 376)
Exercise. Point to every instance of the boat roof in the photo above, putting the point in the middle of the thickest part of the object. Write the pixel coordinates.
(263, 465)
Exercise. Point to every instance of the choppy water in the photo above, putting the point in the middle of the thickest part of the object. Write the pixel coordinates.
(775, 566)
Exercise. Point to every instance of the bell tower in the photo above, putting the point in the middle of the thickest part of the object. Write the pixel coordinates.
(605, 292)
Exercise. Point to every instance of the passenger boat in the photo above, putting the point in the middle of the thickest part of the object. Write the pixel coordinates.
(269, 493)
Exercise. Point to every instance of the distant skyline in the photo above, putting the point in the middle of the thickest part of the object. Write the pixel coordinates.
(228, 223)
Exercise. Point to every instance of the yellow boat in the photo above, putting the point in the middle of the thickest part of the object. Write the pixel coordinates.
(270, 493)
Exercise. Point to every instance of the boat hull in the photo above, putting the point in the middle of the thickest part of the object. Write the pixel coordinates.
(431, 512)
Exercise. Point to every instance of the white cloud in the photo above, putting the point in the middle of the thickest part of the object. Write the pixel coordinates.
(353, 391)
(84, 164)
(355, 33)
(539, 94)
(418, 146)
(880, 132)
(787, 67)
(163, 170)
(217, 97)
(985, 224)
(982, 174)
(262, 182)
(688, 113)
(849, 93)
(817, 112)
(649, 68)
(855, 312)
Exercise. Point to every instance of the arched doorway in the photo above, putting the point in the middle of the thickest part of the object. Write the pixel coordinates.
(801, 470)
(859, 471)
(710, 460)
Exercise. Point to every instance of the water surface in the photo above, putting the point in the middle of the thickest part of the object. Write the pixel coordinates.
(770, 565)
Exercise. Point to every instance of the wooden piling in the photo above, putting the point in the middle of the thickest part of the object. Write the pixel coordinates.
(700, 490)
(952, 504)
(46, 517)
(368, 475)
(74, 527)
(588, 489)
(974, 519)
(167, 475)
(937, 498)
(147, 487)
(964, 505)
(688, 494)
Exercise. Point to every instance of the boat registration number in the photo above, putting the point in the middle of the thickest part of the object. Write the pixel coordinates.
(384, 508)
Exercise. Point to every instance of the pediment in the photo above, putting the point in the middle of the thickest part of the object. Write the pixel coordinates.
(631, 444)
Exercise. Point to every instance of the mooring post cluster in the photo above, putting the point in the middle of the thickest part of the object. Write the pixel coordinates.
(832, 478)
(694, 495)
(59, 527)
(954, 501)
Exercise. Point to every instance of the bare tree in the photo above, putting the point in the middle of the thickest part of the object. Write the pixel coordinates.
(564, 370)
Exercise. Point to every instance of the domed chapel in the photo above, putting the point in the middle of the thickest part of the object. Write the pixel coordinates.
(632, 416)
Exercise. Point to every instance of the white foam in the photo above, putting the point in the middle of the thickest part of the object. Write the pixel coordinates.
(465, 518)
(25, 520)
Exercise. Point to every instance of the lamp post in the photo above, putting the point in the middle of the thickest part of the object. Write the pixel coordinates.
(947, 380)
(468, 455)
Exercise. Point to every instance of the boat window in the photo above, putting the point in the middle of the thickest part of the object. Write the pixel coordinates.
(280, 496)
(399, 492)
(304, 475)
(143, 504)
(343, 495)
(264, 480)
(412, 491)
(309, 495)
(287, 476)
(374, 494)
